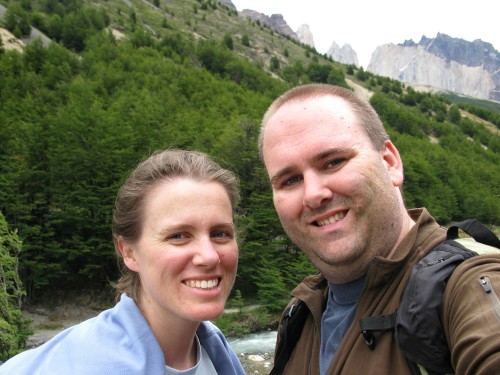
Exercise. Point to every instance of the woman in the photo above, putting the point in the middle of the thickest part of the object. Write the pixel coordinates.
(174, 234)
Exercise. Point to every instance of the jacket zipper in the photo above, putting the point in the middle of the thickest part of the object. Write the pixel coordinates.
(491, 294)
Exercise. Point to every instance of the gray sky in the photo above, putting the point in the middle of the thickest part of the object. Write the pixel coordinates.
(367, 24)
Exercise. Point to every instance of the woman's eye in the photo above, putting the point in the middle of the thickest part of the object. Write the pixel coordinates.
(220, 234)
(177, 236)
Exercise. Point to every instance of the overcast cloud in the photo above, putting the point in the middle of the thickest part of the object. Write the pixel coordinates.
(366, 24)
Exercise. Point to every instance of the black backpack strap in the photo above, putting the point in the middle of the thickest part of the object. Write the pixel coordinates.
(372, 324)
(476, 230)
(290, 330)
(419, 330)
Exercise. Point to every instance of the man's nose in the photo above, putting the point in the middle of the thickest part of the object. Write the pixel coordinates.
(316, 190)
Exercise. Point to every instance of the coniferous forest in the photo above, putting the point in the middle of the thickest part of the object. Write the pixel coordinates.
(78, 113)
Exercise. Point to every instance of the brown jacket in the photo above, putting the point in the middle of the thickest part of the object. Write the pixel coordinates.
(466, 309)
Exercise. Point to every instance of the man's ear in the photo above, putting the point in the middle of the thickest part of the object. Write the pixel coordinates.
(128, 254)
(393, 162)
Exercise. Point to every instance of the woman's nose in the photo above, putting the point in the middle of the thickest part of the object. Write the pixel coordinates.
(206, 254)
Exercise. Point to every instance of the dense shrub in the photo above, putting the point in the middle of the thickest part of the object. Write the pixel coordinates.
(14, 330)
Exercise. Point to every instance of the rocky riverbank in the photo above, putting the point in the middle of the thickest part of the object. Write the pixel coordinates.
(256, 364)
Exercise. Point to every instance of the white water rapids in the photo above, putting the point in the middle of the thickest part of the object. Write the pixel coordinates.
(254, 343)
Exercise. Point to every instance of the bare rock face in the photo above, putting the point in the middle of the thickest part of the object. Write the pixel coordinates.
(228, 3)
(344, 54)
(469, 68)
(275, 22)
(305, 35)
(279, 23)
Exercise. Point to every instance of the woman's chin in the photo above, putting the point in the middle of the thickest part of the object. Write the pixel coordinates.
(207, 312)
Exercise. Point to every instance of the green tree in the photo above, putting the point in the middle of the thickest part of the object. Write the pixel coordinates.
(55, 27)
(80, 25)
(336, 77)
(454, 114)
(228, 41)
(237, 301)
(294, 74)
(245, 40)
(133, 18)
(274, 64)
(318, 72)
(17, 21)
(272, 291)
(14, 330)
(361, 74)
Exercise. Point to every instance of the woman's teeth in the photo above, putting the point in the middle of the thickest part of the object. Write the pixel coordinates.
(202, 284)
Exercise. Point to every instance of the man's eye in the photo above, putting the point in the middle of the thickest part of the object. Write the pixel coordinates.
(332, 164)
(291, 181)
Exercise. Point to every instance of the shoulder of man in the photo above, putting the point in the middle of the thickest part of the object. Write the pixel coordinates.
(471, 315)
(422, 321)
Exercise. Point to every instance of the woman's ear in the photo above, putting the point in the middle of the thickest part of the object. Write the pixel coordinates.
(393, 162)
(128, 254)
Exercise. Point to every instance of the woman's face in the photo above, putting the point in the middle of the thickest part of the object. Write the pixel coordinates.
(187, 254)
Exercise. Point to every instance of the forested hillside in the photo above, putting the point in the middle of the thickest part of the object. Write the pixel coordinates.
(122, 79)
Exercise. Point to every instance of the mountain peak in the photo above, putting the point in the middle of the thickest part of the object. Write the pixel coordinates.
(344, 54)
(275, 21)
(444, 62)
(305, 35)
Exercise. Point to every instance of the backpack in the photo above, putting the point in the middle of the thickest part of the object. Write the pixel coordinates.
(417, 322)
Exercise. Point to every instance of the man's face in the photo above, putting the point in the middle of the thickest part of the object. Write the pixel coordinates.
(336, 196)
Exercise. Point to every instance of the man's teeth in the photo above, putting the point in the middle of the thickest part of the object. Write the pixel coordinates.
(202, 284)
(331, 219)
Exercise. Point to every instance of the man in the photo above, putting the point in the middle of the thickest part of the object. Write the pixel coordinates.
(336, 180)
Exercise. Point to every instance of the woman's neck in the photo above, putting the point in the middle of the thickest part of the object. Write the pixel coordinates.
(176, 337)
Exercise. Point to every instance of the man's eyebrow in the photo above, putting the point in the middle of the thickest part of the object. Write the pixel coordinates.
(278, 175)
(331, 151)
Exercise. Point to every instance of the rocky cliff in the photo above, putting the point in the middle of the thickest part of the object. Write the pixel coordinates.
(344, 54)
(228, 3)
(278, 23)
(305, 35)
(469, 68)
(275, 22)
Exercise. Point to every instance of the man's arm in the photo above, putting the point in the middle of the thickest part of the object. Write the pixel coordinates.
(471, 316)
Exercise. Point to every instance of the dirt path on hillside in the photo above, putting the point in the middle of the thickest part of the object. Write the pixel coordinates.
(47, 322)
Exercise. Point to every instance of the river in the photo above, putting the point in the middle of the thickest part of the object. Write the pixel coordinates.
(254, 343)
(255, 351)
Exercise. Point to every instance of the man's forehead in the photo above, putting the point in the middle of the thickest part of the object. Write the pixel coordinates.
(328, 104)
(326, 110)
